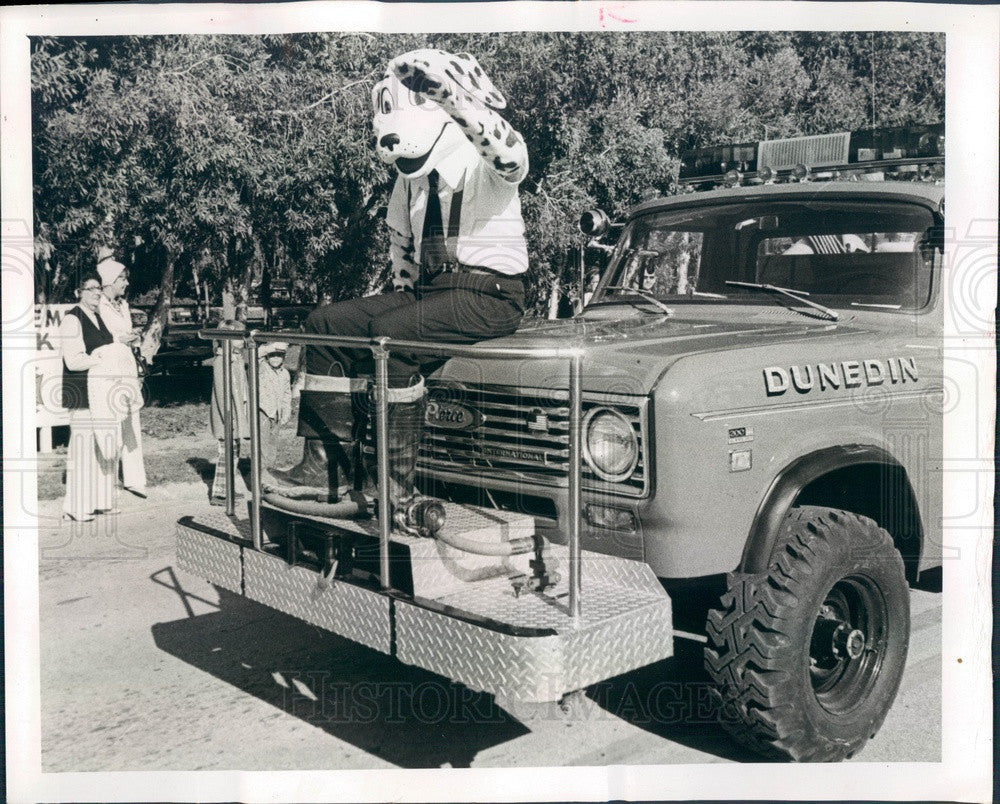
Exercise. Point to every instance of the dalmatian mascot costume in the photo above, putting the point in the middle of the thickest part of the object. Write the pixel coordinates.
(458, 260)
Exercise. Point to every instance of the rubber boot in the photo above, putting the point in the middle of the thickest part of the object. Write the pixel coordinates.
(327, 463)
(411, 512)
(321, 467)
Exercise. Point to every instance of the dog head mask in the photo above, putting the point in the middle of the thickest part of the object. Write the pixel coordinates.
(412, 131)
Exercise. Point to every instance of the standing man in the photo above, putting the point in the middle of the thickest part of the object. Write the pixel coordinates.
(117, 316)
(275, 398)
(458, 262)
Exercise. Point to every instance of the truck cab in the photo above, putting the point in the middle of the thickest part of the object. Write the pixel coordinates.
(745, 349)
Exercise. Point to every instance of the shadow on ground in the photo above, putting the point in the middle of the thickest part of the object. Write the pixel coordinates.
(205, 469)
(413, 718)
(672, 699)
(400, 714)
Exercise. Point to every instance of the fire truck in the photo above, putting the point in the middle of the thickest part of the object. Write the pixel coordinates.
(750, 403)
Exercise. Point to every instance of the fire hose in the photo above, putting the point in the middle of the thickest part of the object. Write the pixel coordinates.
(354, 508)
(425, 516)
(514, 547)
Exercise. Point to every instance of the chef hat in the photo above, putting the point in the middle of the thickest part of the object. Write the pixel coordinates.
(109, 270)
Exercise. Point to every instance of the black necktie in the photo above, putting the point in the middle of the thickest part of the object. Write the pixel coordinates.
(433, 249)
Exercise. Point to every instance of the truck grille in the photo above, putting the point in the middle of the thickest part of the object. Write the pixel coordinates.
(500, 432)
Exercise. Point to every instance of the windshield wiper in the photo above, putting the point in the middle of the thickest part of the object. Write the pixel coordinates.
(880, 306)
(645, 294)
(792, 294)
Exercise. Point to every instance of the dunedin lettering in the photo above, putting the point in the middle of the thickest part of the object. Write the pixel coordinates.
(834, 376)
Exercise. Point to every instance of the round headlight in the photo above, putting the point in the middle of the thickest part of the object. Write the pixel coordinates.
(610, 446)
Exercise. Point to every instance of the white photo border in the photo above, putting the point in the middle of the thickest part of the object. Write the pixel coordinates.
(965, 772)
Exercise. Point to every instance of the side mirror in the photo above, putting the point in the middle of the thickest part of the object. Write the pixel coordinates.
(595, 223)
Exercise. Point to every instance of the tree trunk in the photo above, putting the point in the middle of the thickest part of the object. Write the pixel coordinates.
(152, 336)
(228, 301)
(56, 284)
(197, 287)
(238, 271)
(243, 309)
(683, 264)
(554, 298)
(41, 289)
(265, 291)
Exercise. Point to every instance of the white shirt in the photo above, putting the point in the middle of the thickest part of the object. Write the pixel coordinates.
(491, 229)
(275, 391)
(117, 316)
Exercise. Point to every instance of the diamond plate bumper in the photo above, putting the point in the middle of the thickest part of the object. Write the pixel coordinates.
(524, 648)
(528, 647)
(359, 614)
(206, 548)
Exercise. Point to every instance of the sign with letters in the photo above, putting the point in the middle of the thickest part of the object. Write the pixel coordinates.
(48, 365)
(837, 375)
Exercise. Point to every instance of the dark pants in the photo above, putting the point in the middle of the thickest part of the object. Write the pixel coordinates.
(457, 308)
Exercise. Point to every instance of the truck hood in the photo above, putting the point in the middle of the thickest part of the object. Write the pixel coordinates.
(634, 351)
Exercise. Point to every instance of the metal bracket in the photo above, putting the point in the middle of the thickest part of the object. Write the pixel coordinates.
(327, 561)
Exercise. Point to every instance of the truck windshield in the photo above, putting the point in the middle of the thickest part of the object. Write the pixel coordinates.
(875, 255)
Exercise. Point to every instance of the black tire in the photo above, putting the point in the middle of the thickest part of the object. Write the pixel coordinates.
(795, 678)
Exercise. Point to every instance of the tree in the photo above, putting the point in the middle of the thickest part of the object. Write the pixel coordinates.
(224, 162)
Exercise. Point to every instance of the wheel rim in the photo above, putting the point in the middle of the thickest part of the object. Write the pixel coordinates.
(848, 642)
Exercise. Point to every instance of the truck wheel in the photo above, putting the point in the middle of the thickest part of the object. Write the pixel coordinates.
(807, 657)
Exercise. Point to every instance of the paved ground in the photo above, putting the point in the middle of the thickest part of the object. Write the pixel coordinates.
(147, 667)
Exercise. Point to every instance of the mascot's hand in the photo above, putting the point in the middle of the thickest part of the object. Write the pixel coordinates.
(449, 80)
(422, 79)
(459, 86)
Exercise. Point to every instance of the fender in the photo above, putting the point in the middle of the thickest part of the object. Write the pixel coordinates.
(786, 488)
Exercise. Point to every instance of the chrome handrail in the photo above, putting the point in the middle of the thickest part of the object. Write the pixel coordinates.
(227, 425)
(253, 377)
(381, 348)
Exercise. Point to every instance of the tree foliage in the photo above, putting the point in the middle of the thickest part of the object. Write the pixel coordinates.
(211, 162)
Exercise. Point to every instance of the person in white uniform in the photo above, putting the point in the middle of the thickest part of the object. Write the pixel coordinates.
(117, 316)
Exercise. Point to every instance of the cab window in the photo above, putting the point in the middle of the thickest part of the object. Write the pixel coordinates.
(887, 269)
(876, 254)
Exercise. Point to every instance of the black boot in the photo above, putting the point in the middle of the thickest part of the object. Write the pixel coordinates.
(411, 512)
(328, 421)
(323, 465)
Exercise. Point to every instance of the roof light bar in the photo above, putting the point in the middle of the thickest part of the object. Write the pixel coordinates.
(875, 149)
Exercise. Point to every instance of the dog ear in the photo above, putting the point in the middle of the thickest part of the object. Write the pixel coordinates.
(464, 70)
